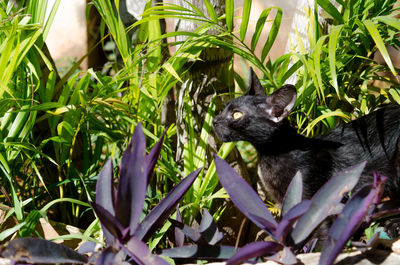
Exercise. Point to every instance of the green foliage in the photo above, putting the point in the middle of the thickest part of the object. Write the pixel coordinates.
(339, 77)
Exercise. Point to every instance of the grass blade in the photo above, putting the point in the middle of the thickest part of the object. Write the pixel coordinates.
(245, 18)
(229, 10)
(333, 40)
(259, 27)
(331, 10)
(272, 34)
(211, 11)
(373, 31)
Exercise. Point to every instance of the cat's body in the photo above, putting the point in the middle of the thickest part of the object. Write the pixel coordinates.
(261, 120)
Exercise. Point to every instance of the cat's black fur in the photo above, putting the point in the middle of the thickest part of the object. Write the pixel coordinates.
(261, 120)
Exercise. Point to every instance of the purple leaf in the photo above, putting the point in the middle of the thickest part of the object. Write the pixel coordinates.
(362, 246)
(287, 221)
(108, 257)
(161, 212)
(326, 199)
(37, 250)
(109, 221)
(151, 158)
(253, 250)
(284, 256)
(294, 193)
(104, 187)
(205, 252)
(179, 235)
(242, 195)
(189, 232)
(347, 223)
(262, 223)
(133, 182)
(386, 209)
(209, 230)
(105, 194)
(87, 247)
(140, 252)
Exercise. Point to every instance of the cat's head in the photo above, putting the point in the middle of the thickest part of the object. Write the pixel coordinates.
(255, 116)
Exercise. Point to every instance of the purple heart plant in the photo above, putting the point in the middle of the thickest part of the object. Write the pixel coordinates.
(119, 210)
(300, 218)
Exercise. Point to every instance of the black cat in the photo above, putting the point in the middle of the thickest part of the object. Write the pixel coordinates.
(261, 120)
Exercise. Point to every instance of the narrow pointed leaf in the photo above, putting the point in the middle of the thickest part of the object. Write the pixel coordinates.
(284, 256)
(179, 235)
(390, 21)
(107, 220)
(229, 10)
(242, 195)
(332, 47)
(152, 157)
(189, 232)
(272, 34)
(245, 18)
(347, 223)
(133, 182)
(107, 256)
(37, 250)
(209, 230)
(87, 247)
(262, 223)
(289, 218)
(294, 193)
(386, 209)
(259, 27)
(373, 31)
(200, 252)
(140, 252)
(331, 10)
(211, 11)
(253, 250)
(317, 60)
(105, 194)
(326, 198)
(161, 212)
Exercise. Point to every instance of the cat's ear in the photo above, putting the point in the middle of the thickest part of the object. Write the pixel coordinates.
(255, 88)
(280, 103)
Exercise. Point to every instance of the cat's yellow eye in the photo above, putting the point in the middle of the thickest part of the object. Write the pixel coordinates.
(237, 115)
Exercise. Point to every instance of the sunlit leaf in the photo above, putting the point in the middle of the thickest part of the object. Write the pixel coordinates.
(245, 18)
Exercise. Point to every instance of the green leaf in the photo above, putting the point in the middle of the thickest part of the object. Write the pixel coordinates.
(211, 11)
(31, 221)
(272, 34)
(245, 18)
(389, 20)
(229, 10)
(395, 93)
(373, 31)
(50, 18)
(326, 115)
(259, 27)
(332, 46)
(331, 10)
(8, 232)
(317, 60)
(168, 66)
(18, 123)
